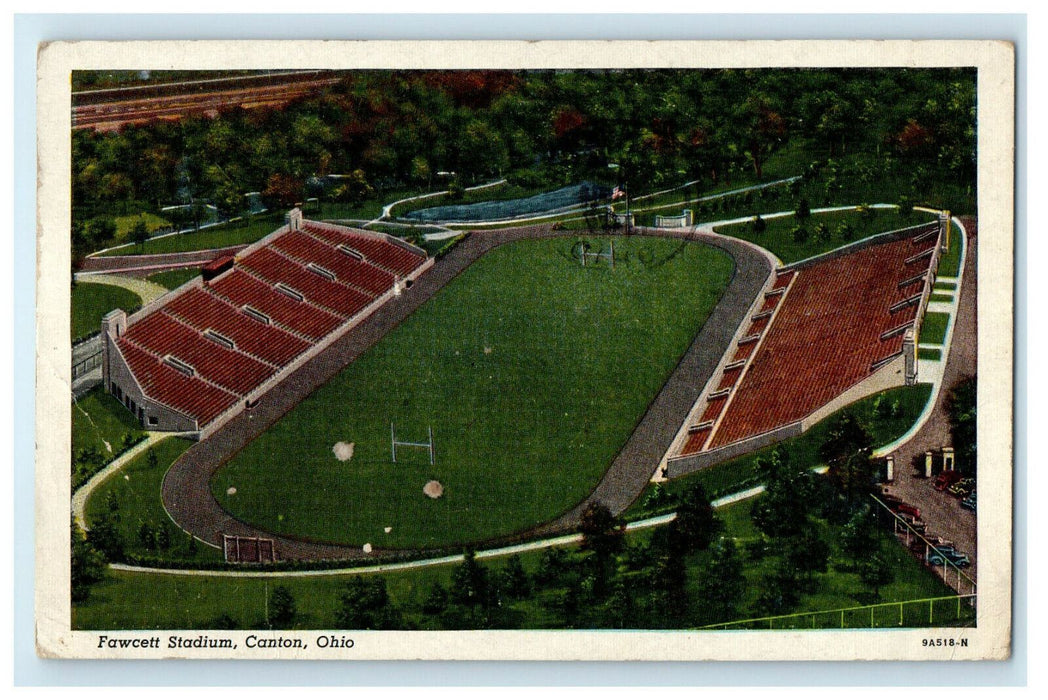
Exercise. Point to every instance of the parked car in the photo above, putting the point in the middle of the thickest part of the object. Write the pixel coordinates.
(969, 502)
(941, 555)
(946, 479)
(916, 524)
(907, 509)
(959, 490)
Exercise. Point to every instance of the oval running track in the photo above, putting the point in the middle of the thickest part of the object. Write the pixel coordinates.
(187, 495)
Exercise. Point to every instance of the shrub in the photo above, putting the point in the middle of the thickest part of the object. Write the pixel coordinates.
(759, 224)
(803, 209)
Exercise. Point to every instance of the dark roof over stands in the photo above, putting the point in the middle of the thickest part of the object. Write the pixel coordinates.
(204, 349)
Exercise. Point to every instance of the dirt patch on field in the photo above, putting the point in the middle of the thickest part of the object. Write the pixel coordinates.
(433, 489)
(344, 451)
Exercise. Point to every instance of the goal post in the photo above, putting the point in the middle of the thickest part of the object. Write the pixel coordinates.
(428, 445)
(585, 255)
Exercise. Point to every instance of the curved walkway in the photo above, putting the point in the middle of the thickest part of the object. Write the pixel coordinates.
(186, 491)
(83, 493)
(145, 289)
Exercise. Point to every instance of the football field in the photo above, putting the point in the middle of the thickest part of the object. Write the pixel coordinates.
(532, 372)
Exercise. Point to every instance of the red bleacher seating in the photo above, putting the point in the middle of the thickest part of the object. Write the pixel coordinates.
(360, 274)
(244, 289)
(190, 395)
(276, 268)
(214, 329)
(379, 252)
(163, 335)
(826, 337)
(204, 310)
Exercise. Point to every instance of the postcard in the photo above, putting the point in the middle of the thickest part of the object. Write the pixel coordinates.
(525, 350)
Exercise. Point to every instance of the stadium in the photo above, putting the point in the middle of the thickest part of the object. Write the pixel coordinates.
(354, 398)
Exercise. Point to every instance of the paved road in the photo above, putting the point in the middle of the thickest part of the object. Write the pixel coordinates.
(186, 493)
(942, 512)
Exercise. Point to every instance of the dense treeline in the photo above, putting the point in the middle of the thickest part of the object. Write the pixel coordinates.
(406, 129)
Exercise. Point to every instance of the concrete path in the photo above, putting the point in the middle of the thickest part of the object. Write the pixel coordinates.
(546, 543)
(186, 491)
(148, 291)
(943, 513)
(82, 494)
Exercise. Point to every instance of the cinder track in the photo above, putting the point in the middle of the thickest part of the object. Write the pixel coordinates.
(186, 492)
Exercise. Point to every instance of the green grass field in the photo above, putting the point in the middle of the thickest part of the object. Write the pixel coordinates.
(929, 354)
(741, 473)
(950, 261)
(136, 491)
(221, 236)
(933, 330)
(90, 302)
(172, 279)
(196, 602)
(531, 370)
(779, 239)
(100, 422)
(124, 224)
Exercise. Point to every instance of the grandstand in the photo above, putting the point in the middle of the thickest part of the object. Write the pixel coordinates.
(198, 356)
(825, 332)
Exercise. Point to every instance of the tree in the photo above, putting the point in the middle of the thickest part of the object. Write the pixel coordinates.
(139, 233)
(846, 451)
(365, 605)
(722, 588)
(779, 590)
(858, 536)
(282, 609)
(961, 407)
(803, 211)
(808, 553)
(513, 579)
(602, 533)
(876, 572)
(152, 461)
(469, 582)
(782, 510)
(436, 600)
(696, 523)
(759, 224)
(88, 565)
(147, 536)
(799, 234)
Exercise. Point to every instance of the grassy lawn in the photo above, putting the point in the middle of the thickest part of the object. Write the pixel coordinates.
(779, 239)
(933, 330)
(136, 492)
(124, 224)
(101, 423)
(929, 354)
(172, 279)
(196, 602)
(945, 286)
(530, 395)
(950, 261)
(90, 302)
(741, 473)
(221, 236)
(945, 298)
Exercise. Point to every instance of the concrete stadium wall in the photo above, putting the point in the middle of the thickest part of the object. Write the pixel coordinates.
(679, 466)
(119, 374)
(889, 376)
